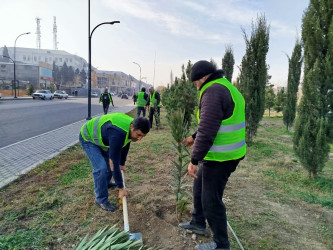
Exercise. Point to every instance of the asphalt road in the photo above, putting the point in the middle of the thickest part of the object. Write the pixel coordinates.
(23, 119)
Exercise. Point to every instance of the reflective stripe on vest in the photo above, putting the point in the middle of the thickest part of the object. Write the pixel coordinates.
(153, 100)
(231, 128)
(91, 131)
(141, 102)
(229, 143)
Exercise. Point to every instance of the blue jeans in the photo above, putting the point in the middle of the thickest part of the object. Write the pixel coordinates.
(99, 159)
(139, 112)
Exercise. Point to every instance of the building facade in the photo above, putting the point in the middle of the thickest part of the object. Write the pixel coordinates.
(34, 66)
(35, 56)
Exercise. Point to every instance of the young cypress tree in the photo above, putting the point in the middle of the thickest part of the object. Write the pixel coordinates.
(294, 75)
(312, 124)
(228, 62)
(269, 99)
(181, 95)
(254, 76)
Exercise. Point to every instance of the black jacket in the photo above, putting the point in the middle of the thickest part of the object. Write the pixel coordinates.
(215, 105)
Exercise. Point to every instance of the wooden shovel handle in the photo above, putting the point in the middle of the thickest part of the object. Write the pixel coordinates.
(125, 212)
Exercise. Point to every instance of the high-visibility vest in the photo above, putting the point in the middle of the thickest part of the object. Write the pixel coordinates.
(229, 143)
(141, 102)
(153, 100)
(101, 98)
(91, 131)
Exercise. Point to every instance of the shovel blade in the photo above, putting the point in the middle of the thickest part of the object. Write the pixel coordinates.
(135, 236)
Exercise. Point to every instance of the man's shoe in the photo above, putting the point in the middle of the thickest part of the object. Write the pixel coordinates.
(106, 206)
(112, 185)
(193, 228)
(208, 246)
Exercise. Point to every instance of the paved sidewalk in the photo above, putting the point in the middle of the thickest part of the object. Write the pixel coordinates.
(19, 158)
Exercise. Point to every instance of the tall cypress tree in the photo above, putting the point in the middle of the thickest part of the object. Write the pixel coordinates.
(280, 101)
(294, 75)
(83, 76)
(228, 62)
(5, 55)
(254, 75)
(312, 124)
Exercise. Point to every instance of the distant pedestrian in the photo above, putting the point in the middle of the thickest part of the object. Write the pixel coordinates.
(154, 107)
(106, 99)
(135, 97)
(142, 102)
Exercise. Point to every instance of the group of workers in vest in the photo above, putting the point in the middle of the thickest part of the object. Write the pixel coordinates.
(218, 147)
(152, 102)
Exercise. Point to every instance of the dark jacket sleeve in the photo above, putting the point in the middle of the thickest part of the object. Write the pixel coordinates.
(114, 137)
(124, 153)
(110, 98)
(216, 104)
(158, 97)
(146, 97)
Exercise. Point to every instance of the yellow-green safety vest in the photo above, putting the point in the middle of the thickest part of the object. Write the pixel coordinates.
(229, 143)
(153, 100)
(141, 102)
(91, 131)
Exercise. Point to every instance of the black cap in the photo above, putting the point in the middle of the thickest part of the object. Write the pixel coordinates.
(201, 69)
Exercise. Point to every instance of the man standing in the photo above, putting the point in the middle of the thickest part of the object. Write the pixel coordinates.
(218, 146)
(135, 97)
(106, 99)
(142, 102)
(154, 104)
(106, 142)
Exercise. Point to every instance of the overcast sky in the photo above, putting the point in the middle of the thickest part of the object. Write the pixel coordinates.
(160, 35)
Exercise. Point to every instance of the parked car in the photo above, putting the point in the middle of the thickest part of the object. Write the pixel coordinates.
(0, 95)
(94, 94)
(60, 94)
(124, 96)
(43, 94)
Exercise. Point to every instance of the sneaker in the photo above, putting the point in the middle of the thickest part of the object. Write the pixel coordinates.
(112, 185)
(193, 228)
(208, 246)
(106, 206)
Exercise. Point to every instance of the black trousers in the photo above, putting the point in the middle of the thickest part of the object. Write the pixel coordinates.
(154, 112)
(208, 191)
(106, 107)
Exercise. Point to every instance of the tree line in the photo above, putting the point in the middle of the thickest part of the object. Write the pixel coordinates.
(66, 76)
(311, 117)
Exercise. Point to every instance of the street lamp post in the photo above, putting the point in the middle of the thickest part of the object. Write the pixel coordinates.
(144, 77)
(89, 55)
(140, 75)
(15, 61)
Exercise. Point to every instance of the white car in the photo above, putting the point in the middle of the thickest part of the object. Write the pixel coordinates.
(94, 94)
(43, 94)
(60, 94)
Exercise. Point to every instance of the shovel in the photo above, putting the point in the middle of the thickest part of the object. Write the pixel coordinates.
(133, 236)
